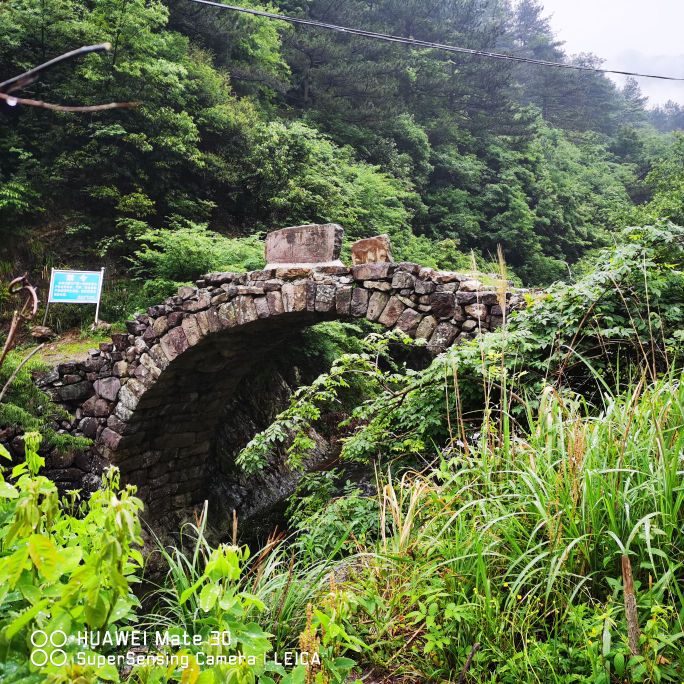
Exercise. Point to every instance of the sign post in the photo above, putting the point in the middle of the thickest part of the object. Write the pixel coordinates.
(75, 287)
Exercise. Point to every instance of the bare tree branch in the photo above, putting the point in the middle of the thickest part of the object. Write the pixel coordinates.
(28, 77)
(13, 101)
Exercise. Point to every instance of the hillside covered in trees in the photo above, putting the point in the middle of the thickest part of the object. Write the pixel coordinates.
(505, 509)
(246, 124)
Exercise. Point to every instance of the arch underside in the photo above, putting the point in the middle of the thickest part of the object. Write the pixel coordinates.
(170, 443)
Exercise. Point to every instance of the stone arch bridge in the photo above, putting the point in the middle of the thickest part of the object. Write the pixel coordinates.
(153, 398)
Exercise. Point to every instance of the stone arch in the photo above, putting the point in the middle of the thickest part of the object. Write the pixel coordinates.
(152, 399)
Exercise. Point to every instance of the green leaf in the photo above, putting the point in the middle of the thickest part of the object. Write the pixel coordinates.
(208, 596)
(44, 555)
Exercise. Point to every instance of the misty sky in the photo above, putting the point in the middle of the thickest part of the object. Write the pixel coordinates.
(632, 35)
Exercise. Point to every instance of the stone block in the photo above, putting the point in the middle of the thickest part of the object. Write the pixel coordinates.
(88, 426)
(426, 328)
(371, 250)
(110, 438)
(423, 287)
(381, 285)
(310, 244)
(448, 277)
(325, 297)
(403, 280)
(391, 312)
(107, 388)
(293, 273)
(443, 304)
(227, 315)
(359, 302)
(75, 392)
(442, 337)
(374, 271)
(274, 299)
(294, 297)
(465, 298)
(310, 295)
(471, 285)
(160, 326)
(409, 267)
(476, 311)
(376, 305)
(343, 297)
(262, 307)
(409, 321)
(192, 330)
(174, 343)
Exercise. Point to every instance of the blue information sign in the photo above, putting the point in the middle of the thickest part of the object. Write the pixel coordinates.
(76, 287)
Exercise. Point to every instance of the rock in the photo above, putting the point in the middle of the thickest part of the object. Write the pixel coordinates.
(110, 438)
(391, 312)
(325, 297)
(443, 304)
(381, 285)
(294, 297)
(488, 298)
(311, 244)
(471, 285)
(373, 271)
(256, 290)
(359, 302)
(343, 298)
(426, 328)
(464, 298)
(42, 333)
(135, 328)
(448, 277)
(192, 331)
(227, 315)
(294, 272)
(160, 326)
(371, 250)
(200, 304)
(442, 337)
(409, 267)
(262, 309)
(88, 426)
(95, 406)
(469, 326)
(403, 280)
(185, 292)
(75, 392)
(477, 311)
(409, 321)
(107, 388)
(274, 300)
(208, 321)
(174, 343)
(376, 305)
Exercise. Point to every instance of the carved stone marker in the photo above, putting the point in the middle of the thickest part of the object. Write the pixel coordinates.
(372, 250)
(312, 245)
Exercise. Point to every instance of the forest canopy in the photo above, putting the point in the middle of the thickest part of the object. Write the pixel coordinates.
(246, 125)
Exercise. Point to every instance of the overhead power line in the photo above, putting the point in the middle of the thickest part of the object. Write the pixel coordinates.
(414, 42)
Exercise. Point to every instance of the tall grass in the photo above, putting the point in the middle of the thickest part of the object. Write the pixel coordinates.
(517, 545)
